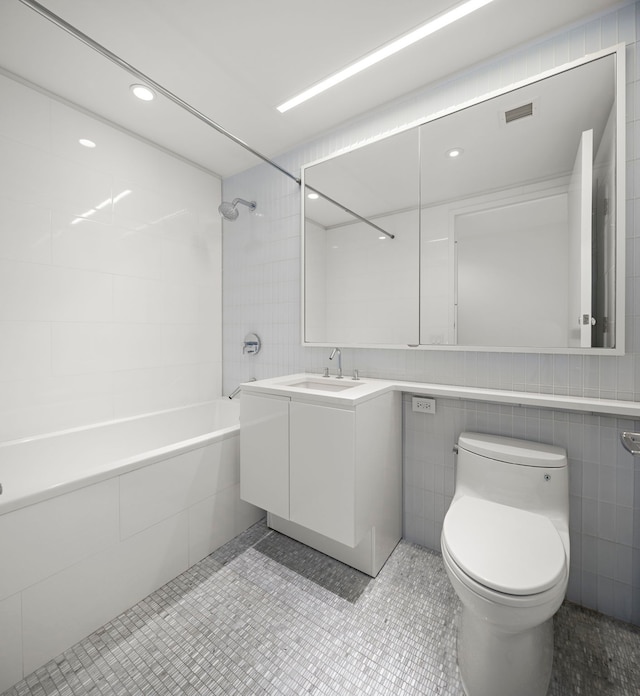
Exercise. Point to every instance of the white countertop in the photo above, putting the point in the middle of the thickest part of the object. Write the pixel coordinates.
(367, 388)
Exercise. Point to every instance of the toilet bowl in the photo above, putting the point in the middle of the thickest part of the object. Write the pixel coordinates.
(505, 548)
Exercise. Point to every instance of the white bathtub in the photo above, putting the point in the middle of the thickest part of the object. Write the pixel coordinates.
(37, 468)
(94, 519)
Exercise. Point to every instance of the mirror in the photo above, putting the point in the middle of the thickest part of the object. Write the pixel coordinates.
(513, 243)
(362, 285)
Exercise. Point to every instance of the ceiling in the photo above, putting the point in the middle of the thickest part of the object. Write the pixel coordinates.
(236, 60)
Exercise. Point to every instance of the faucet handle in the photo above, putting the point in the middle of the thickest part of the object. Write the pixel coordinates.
(355, 375)
(326, 372)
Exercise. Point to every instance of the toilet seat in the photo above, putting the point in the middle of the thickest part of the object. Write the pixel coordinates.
(504, 549)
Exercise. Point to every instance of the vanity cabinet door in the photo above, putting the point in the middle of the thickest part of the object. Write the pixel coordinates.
(322, 474)
(264, 452)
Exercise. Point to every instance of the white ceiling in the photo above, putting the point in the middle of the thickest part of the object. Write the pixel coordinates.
(236, 60)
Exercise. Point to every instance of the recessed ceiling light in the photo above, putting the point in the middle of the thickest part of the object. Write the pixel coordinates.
(85, 142)
(455, 152)
(389, 49)
(313, 196)
(143, 92)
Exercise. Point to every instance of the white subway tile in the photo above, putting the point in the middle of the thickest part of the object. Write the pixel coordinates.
(79, 190)
(137, 346)
(43, 405)
(181, 302)
(25, 115)
(80, 348)
(25, 232)
(44, 293)
(138, 300)
(25, 350)
(139, 390)
(138, 252)
(83, 243)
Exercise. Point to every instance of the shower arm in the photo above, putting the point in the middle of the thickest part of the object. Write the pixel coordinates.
(109, 55)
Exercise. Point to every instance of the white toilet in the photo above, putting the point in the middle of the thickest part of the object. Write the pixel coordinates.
(505, 546)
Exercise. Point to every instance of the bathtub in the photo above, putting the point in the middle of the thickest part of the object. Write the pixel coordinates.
(94, 519)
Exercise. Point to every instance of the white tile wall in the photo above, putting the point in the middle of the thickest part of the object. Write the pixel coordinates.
(110, 271)
(261, 259)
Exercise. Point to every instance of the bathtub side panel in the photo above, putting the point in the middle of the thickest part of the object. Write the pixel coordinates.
(39, 540)
(211, 524)
(156, 492)
(65, 608)
(10, 641)
(220, 517)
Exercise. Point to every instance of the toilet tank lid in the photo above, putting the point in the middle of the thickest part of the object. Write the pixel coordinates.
(512, 451)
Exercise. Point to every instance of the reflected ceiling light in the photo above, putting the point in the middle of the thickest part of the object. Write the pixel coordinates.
(92, 211)
(387, 50)
(142, 92)
(455, 152)
(313, 196)
(86, 142)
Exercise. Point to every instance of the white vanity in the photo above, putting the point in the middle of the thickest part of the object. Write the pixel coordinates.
(323, 457)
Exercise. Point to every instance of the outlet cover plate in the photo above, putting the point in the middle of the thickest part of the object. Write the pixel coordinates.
(423, 404)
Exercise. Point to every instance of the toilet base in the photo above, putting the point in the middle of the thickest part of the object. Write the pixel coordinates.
(494, 662)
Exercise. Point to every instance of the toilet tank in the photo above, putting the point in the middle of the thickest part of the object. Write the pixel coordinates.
(527, 475)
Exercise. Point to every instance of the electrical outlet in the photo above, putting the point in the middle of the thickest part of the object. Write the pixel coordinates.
(423, 404)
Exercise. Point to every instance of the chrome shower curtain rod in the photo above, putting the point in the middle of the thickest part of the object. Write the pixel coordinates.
(109, 55)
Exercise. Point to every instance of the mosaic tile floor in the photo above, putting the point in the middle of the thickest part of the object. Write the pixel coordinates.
(266, 615)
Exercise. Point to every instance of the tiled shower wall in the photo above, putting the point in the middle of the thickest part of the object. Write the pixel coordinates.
(110, 278)
(261, 291)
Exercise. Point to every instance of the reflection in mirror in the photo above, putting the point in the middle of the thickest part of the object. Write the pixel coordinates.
(512, 243)
(361, 286)
(506, 224)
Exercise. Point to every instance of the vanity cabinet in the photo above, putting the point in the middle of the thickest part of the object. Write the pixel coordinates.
(322, 467)
(329, 475)
(264, 452)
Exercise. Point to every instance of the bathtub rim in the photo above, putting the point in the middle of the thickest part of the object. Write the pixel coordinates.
(118, 466)
(113, 421)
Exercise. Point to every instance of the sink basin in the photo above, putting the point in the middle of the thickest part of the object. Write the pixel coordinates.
(317, 385)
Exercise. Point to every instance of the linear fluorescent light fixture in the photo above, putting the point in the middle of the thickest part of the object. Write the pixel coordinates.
(432, 26)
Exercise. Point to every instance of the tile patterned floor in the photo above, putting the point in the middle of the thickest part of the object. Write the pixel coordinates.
(266, 615)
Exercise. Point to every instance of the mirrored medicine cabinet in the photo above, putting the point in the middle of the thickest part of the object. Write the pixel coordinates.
(497, 225)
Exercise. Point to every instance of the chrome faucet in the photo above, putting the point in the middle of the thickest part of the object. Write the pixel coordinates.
(333, 352)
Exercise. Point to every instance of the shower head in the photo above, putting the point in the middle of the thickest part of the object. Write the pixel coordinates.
(229, 211)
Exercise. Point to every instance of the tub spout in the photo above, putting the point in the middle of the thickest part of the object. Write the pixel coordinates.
(236, 391)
